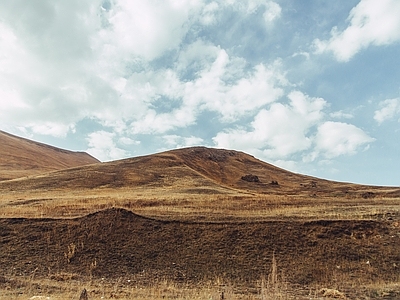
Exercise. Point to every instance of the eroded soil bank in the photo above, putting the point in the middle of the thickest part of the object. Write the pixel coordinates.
(117, 243)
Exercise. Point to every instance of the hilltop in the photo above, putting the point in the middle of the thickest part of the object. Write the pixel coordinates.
(194, 170)
(187, 183)
(21, 157)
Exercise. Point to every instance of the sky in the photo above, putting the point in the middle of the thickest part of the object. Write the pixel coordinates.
(311, 86)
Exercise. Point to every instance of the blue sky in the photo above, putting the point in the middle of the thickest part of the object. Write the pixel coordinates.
(311, 86)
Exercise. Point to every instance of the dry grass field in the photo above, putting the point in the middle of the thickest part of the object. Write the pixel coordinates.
(193, 223)
(21, 157)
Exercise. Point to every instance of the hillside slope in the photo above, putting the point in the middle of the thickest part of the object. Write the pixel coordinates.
(21, 157)
(194, 170)
(193, 183)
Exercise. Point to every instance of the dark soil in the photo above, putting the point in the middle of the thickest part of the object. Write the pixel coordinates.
(117, 243)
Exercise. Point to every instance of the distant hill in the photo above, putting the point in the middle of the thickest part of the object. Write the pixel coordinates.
(195, 170)
(20, 157)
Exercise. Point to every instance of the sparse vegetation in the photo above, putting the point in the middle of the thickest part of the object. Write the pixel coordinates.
(199, 231)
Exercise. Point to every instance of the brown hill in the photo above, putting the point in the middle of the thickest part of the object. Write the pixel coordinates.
(21, 157)
(193, 170)
(193, 183)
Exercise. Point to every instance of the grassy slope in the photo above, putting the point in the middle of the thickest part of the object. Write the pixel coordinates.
(22, 157)
(191, 183)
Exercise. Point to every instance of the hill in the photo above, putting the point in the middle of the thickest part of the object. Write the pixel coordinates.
(189, 183)
(21, 157)
(194, 170)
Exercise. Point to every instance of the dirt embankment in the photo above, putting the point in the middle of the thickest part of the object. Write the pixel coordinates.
(117, 243)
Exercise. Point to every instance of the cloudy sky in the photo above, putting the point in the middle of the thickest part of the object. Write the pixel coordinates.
(311, 86)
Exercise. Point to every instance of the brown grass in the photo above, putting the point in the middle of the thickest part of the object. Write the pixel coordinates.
(204, 186)
(174, 205)
(21, 157)
(193, 184)
(270, 287)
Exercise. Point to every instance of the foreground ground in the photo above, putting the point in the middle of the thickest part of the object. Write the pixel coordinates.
(68, 286)
(118, 246)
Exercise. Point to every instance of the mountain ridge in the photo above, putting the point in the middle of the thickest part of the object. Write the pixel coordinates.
(21, 157)
(197, 170)
(191, 170)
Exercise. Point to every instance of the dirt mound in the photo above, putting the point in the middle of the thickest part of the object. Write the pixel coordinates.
(118, 243)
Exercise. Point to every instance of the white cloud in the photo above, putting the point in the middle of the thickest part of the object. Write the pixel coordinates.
(272, 12)
(52, 128)
(102, 146)
(244, 95)
(335, 138)
(46, 83)
(176, 141)
(297, 128)
(145, 28)
(222, 86)
(154, 122)
(197, 56)
(208, 14)
(341, 115)
(280, 131)
(389, 109)
(128, 141)
(372, 22)
(63, 62)
(14, 60)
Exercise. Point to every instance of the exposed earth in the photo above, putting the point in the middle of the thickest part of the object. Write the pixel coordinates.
(117, 243)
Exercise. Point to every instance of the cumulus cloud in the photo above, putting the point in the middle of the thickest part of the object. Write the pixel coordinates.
(45, 63)
(279, 131)
(103, 147)
(232, 98)
(222, 86)
(335, 138)
(296, 128)
(196, 56)
(341, 115)
(128, 141)
(372, 22)
(389, 109)
(272, 12)
(154, 122)
(176, 141)
(211, 12)
(145, 28)
(208, 13)
(63, 62)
